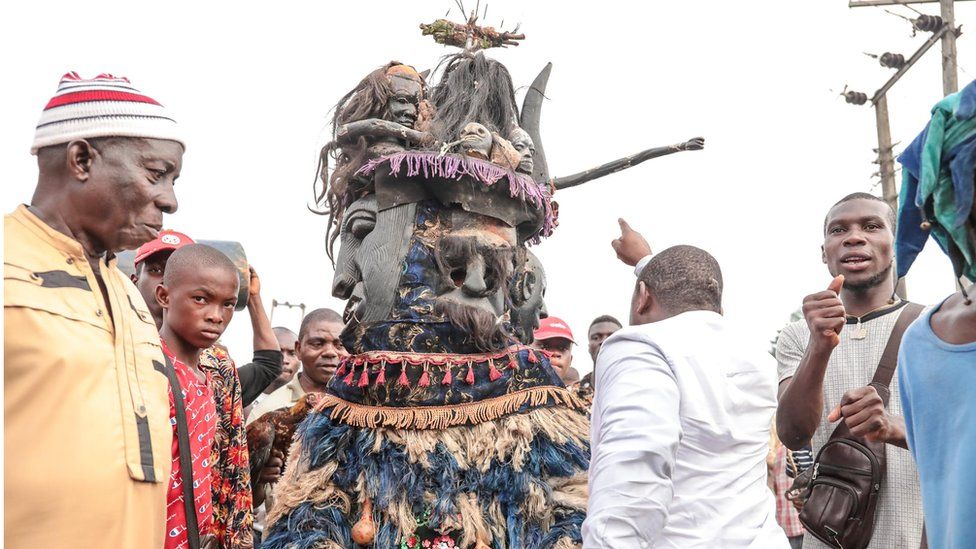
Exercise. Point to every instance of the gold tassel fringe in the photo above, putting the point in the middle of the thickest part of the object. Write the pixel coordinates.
(442, 417)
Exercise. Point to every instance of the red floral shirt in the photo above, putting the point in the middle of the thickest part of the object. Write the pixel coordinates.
(201, 418)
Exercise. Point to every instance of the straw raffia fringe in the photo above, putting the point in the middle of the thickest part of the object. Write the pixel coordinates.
(475, 446)
(299, 485)
(473, 525)
(566, 543)
(508, 440)
(570, 492)
(442, 417)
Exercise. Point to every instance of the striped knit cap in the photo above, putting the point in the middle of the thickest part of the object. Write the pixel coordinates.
(104, 106)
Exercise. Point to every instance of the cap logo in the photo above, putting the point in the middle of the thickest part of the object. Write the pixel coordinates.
(170, 239)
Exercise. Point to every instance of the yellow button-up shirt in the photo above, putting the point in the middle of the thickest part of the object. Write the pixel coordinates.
(88, 440)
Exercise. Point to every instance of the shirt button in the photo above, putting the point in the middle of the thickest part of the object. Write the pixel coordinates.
(142, 409)
(70, 260)
(98, 312)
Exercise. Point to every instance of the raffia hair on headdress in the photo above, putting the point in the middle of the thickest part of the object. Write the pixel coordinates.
(473, 88)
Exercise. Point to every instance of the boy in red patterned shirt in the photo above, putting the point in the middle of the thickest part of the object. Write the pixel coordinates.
(198, 296)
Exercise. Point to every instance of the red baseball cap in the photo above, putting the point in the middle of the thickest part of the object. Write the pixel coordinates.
(552, 327)
(167, 240)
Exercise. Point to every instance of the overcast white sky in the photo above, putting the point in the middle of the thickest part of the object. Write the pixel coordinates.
(253, 84)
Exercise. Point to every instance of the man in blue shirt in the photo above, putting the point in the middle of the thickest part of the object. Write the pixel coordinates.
(937, 359)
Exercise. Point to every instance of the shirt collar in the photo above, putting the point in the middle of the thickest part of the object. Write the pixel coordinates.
(57, 239)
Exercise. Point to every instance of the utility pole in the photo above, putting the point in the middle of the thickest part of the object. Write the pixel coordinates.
(942, 28)
(886, 158)
(950, 76)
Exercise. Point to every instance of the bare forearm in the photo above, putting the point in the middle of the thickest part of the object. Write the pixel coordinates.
(801, 402)
(264, 338)
(897, 435)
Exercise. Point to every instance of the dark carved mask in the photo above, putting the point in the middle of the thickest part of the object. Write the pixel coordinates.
(528, 292)
(404, 103)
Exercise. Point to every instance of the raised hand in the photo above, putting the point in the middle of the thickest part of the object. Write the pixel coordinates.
(631, 246)
(254, 284)
(825, 315)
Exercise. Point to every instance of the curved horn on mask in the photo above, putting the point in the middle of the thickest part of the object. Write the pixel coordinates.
(529, 121)
(695, 144)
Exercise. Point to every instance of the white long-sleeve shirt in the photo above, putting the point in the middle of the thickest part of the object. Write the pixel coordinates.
(679, 436)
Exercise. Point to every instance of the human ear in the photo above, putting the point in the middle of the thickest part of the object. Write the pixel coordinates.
(644, 298)
(162, 296)
(823, 254)
(79, 157)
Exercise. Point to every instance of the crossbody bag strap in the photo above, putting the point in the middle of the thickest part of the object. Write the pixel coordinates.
(186, 461)
(889, 358)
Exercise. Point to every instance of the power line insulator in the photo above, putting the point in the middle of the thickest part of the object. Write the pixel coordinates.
(856, 98)
(892, 60)
(928, 23)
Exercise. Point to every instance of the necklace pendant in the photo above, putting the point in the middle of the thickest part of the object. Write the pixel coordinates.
(859, 333)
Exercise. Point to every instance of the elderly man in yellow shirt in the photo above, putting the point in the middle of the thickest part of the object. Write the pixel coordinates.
(88, 440)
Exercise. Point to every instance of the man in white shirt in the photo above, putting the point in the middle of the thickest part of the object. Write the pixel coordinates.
(680, 425)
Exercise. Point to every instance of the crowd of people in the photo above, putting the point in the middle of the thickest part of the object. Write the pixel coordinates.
(127, 423)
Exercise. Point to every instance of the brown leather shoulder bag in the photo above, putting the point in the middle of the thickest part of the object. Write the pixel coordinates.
(842, 494)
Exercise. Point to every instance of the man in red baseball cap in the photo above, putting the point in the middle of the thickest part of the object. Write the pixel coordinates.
(554, 335)
(150, 262)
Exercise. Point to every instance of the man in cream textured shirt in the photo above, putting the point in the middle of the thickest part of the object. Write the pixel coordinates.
(680, 424)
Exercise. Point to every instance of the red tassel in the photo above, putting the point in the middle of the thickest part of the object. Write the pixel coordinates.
(493, 372)
(348, 380)
(424, 380)
(447, 375)
(381, 379)
(532, 358)
(469, 379)
(403, 376)
(511, 362)
(342, 369)
(364, 380)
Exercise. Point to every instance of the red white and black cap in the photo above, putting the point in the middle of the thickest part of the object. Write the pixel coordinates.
(167, 240)
(551, 328)
(104, 106)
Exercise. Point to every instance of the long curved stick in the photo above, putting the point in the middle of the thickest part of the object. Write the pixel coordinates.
(695, 144)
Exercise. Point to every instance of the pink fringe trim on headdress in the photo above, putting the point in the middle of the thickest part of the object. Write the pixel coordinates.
(453, 166)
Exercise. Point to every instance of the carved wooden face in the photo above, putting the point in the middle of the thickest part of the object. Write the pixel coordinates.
(475, 261)
(372, 247)
(523, 144)
(528, 294)
(404, 103)
(476, 141)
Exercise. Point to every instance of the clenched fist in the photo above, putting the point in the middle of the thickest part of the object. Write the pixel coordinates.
(864, 412)
(825, 316)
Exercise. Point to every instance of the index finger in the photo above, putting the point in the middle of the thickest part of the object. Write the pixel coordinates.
(624, 226)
